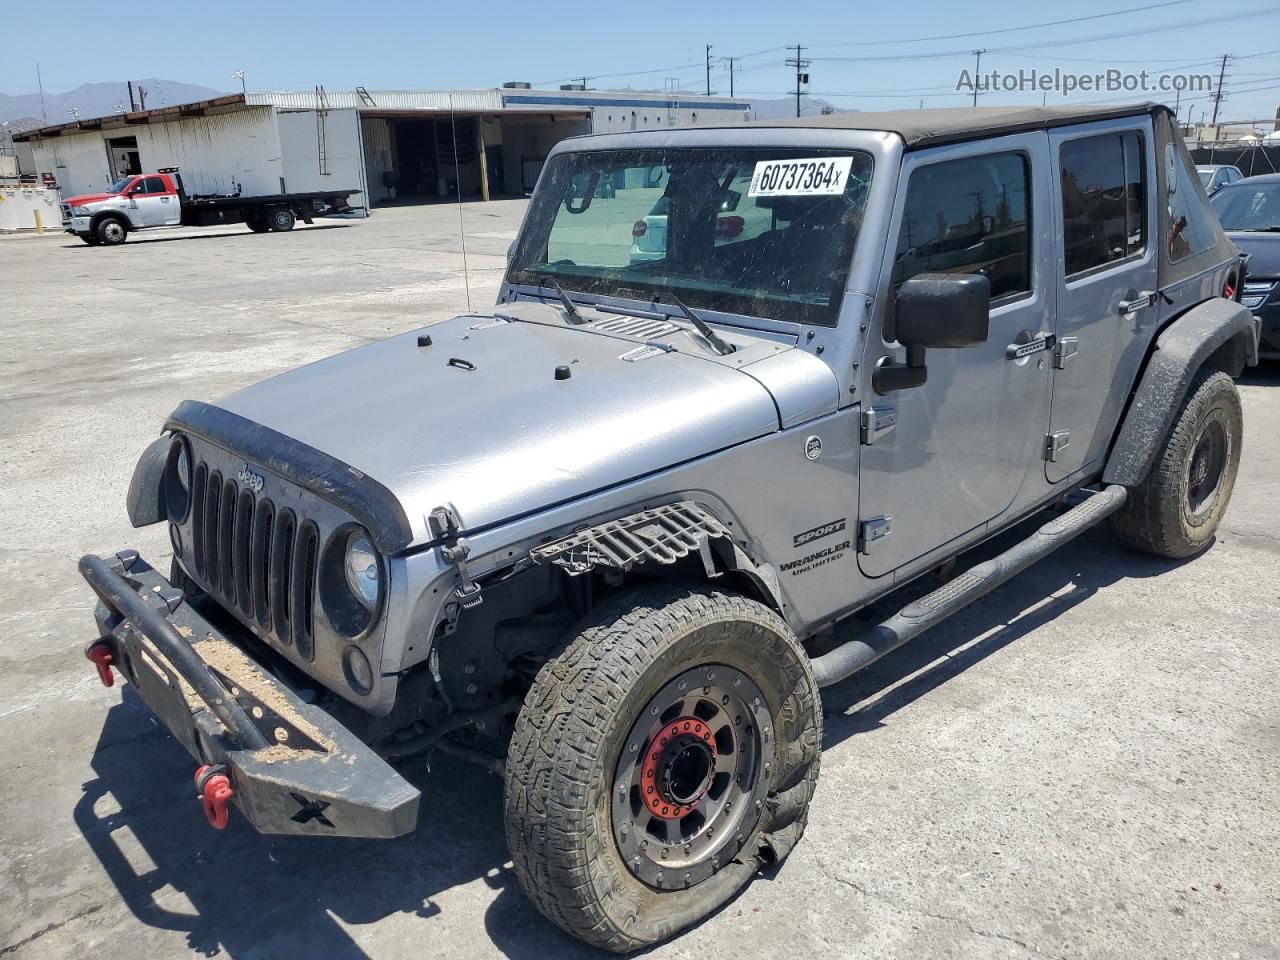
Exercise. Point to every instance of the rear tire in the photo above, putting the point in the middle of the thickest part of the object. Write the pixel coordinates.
(111, 231)
(281, 219)
(1175, 511)
(594, 854)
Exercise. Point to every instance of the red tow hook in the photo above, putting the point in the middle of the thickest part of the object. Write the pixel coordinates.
(215, 791)
(102, 656)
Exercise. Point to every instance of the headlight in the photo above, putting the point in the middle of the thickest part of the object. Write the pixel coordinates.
(80, 211)
(361, 566)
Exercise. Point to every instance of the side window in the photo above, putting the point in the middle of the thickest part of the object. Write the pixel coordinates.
(1103, 200)
(1189, 228)
(155, 185)
(969, 216)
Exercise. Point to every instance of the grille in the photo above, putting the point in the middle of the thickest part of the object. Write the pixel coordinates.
(259, 561)
(641, 327)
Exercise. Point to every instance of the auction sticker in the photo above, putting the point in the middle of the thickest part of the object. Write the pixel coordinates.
(800, 178)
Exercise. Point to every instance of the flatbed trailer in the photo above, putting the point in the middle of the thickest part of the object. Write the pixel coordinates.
(152, 200)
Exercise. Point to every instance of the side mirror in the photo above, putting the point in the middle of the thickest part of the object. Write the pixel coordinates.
(946, 311)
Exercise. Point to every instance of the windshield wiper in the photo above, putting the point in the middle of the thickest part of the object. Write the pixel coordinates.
(718, 345)
(575, 316)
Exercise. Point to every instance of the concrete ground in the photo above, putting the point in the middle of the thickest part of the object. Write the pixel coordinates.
(1085, 764)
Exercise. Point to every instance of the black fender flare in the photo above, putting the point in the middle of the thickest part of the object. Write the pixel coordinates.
(1217, 333)
(146, 489)
(113, 214)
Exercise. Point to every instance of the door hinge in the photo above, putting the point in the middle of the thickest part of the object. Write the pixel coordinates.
(1066, 348)
(878, 420)
(869, 531)
(446, 526)
(1055, 443)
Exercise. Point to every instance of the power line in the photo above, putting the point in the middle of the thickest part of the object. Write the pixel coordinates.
(987, 33)
(1096, 38)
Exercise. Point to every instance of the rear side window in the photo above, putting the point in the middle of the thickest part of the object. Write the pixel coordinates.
(969, 216)
(1103, 200)
(1189, 228)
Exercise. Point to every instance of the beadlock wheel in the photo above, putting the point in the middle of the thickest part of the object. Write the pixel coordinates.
(696, 761)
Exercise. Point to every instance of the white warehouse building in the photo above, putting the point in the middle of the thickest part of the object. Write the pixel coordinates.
(390, 145)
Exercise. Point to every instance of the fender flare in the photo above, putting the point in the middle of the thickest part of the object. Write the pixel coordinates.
(145, 500)
(115, 214)
(1217, 333)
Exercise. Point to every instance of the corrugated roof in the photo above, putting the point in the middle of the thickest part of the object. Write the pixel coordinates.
(470, 100)
(116, 120)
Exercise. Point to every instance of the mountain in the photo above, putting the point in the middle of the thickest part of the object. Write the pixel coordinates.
(100, 99)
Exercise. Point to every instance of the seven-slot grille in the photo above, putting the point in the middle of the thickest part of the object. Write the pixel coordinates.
(259, 560)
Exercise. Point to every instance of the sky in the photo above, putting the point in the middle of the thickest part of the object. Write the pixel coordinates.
(863, 55)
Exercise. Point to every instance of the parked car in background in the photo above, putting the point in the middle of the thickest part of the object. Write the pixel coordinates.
(1215, 176)
(1249, 211)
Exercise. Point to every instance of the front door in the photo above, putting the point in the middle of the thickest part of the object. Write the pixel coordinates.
(965, 442)
(1107, 295)
(153, 204)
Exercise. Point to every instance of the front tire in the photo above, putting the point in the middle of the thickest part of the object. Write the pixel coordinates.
(257, 224)
(111, 231)
(1175, 511)
(667, 754)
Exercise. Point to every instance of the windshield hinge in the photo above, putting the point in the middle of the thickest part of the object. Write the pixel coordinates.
(446, 526)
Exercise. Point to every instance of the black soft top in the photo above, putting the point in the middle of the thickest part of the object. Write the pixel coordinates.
(931, 128)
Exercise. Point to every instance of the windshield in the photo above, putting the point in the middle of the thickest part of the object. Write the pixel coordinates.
(119, 185)
(758, 232)
(1205, 177)
(1248, 206)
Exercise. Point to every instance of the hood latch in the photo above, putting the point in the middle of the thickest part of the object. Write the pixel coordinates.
(446, 526)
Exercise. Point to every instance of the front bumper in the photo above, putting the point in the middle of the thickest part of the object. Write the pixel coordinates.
(76, 224)
(292, 768)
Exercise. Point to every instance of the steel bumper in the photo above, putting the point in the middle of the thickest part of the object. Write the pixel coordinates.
(291, 767)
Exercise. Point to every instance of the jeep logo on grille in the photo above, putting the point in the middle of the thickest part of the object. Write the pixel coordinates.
(250, 479)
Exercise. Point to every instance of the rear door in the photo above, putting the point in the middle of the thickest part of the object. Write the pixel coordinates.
(1104, 177)
(964, 442)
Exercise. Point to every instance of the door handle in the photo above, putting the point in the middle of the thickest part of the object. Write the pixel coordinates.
(1041, 341)
(1138, 302)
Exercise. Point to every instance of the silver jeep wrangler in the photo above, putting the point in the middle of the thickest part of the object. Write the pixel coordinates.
(740, 382)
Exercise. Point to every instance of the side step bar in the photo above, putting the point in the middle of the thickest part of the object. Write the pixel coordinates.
(915, 618)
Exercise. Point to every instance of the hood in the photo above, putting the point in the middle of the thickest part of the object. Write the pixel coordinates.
(1263, 250)
(479, 418)
(87, 198)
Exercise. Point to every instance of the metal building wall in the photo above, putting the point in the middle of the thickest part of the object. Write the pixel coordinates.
(78, 162)
(223, 153)
(379, 155)
(300, 154)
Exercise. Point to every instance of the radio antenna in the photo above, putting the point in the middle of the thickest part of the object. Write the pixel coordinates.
(457, 183)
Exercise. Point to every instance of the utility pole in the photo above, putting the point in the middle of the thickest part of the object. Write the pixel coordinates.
(133, 104)
(977, 69)
(1217, 96)
(731, 59)
(801, 76)
(708, 69)
(142, 97)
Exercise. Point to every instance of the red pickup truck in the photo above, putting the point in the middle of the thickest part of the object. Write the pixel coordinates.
(147, 200)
